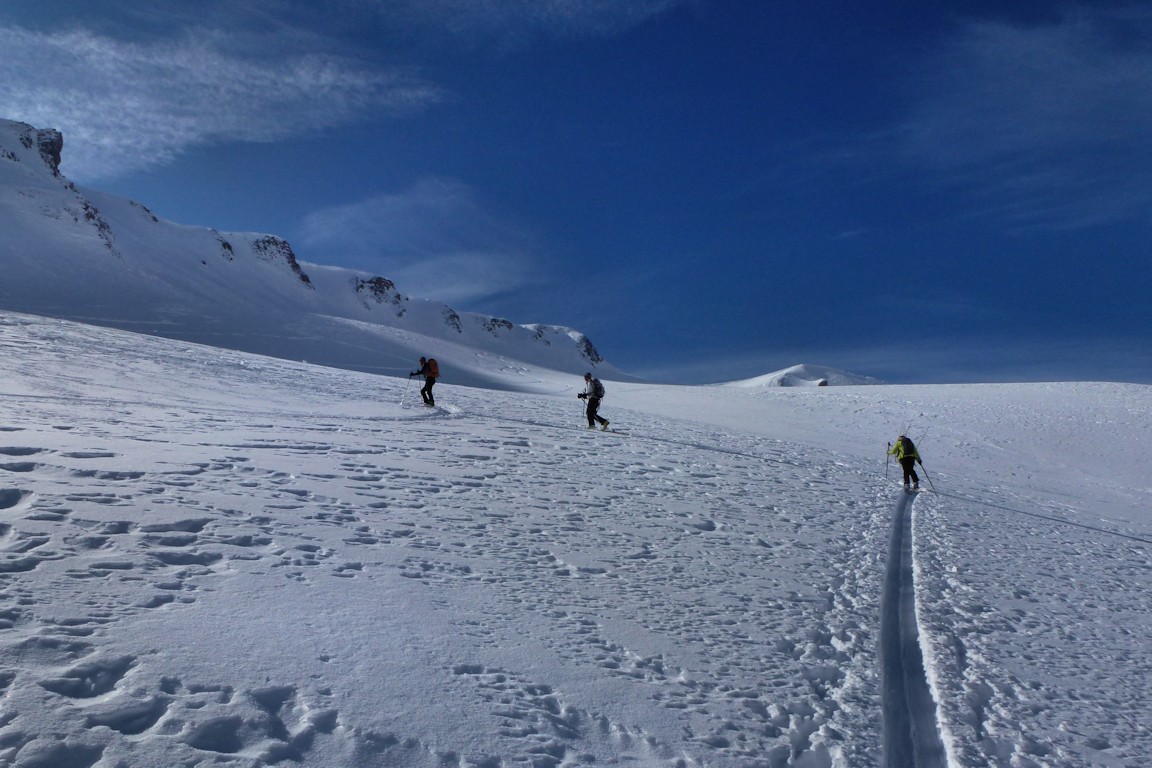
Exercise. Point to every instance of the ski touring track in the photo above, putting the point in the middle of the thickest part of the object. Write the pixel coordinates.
(911, 735)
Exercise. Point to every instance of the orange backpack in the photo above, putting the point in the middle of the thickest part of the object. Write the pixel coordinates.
(433, 368)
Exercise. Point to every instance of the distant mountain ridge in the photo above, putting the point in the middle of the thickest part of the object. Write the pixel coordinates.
(88, 256)
(84, 255)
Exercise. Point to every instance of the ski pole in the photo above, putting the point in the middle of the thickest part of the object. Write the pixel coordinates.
(887, 458)
(927, 478)
(405, 395)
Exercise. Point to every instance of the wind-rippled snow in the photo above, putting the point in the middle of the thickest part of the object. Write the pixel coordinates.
(208, 558)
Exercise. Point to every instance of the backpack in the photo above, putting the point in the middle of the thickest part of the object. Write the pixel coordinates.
(907, 448)
(597, 388)
(433, 368)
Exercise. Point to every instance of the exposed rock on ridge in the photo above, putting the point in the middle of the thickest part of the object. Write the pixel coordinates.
(50, 142)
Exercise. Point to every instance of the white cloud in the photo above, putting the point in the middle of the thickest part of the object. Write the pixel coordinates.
(125, 106)
(1052, 124)
(434, 240)
(140, 96)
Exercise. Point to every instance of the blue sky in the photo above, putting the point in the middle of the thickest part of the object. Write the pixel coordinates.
(710, 190)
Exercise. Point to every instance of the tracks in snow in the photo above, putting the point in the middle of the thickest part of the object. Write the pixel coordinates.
(911, 738)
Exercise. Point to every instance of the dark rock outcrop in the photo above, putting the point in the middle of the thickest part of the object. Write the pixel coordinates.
(272, 248)
(50, 142)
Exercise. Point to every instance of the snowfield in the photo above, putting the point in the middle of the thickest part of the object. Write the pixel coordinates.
(209, 558)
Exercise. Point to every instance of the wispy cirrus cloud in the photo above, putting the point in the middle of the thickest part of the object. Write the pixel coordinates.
(1050, 124)
(435, 240)
(128, 105)
(162, 77)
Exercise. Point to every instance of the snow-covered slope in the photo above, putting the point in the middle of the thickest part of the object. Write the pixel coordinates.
(805, 376)
(213, 558)
(84, 255)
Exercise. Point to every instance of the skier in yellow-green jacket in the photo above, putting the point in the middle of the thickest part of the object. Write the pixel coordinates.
(905, 452)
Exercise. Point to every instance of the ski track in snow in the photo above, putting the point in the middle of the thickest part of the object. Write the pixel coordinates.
(911, 737)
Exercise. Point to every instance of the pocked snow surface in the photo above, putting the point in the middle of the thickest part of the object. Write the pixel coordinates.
(208, 558)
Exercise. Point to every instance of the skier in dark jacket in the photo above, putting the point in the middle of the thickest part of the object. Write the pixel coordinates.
(906, 453)
(593, 393)
(430, 370)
